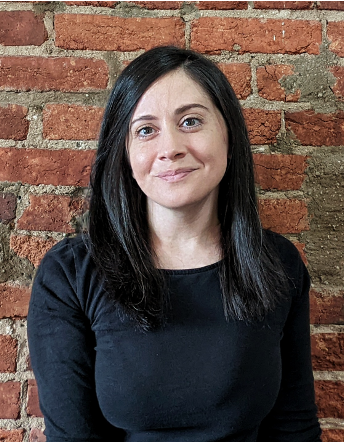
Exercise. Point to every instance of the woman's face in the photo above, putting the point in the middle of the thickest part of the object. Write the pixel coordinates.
(177, 143)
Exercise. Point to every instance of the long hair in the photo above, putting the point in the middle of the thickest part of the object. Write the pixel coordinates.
(250, 274)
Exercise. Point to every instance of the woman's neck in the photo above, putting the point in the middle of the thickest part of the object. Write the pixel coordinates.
(183, 239)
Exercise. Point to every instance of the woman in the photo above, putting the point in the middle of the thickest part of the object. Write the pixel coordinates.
(175, 317)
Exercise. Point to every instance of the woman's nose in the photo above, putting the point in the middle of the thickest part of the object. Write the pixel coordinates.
(171, 146)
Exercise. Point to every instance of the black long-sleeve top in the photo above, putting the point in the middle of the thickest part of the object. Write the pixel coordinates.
(199, 378)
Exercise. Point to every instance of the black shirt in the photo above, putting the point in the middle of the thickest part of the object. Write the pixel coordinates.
(199, 378)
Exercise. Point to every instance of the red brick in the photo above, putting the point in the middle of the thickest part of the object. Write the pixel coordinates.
(13, 122)
(32, 401)
(94, 4)
(284, 215)
(8, 354)
(63, 167)
(19, 28)
(221, 5)
(339, 6)
(11, 435)
(31, 247)
(14, 301)
(239, 76)
(52, 213)
(331, 435)
(215, 34)
(37, 435)
(328, 351)
(263, 126)
(71, 122)
(338, 88)
(327, 307)
(8, 203)
(283, 5)
(281, 172)
(9, 400)
(51, 73)
(317, 129)
(335, 33)
(330, 398)
(159, 5)
(269, 86)
(107, 33)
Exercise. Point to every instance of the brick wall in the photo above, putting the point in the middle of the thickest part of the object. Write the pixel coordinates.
(58, 61)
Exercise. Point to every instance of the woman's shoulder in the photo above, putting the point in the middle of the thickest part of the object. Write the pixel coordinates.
(68, 252)
(66, 261)
(283, 246)
(65, 274)
(290, 259)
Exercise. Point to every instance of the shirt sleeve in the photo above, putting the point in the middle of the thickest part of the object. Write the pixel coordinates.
(62, 354)
(293, 417)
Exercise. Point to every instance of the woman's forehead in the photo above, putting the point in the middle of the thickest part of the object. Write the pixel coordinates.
(174, 90)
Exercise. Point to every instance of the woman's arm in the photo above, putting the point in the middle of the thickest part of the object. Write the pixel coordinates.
(62, 354)
(293, 417)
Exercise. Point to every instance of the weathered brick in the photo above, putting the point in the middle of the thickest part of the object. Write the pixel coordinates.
(281, 172)
(51, 73)
(315, 129)
(71, 122)
(215, 34)
(269, 83)
(159, 5)
(37, 435)
(221, 5)
(14, 301)
(338, 87)
(28, 363)
(335, 33)
(8, 203)
(8, 354)
(328, 351)
(332, 435)
(94, 4)
(63, 167)
(50, 213)
(239, 76)
(19, 28)
(263, 126)
(339, 6)
(32, 399)
(330, 398)
(107, 33)
(13, 122)
(327, 307)
(9, 400)
(31, 247)
(11, 435)
(284, 215)
(283, 5)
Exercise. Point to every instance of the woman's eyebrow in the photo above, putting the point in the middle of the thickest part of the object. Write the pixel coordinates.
(143, 117)
(187, 107)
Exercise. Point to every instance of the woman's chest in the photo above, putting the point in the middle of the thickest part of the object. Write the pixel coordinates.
(196, 368)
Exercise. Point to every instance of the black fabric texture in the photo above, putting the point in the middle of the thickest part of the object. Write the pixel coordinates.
(199, 378)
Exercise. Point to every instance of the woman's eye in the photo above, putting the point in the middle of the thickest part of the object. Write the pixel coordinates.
(191, 122)
(145, 131)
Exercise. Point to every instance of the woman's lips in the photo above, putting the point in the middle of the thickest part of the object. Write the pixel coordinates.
(172, 176)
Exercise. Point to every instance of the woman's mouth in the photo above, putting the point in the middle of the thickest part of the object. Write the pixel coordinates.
(173, 176)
